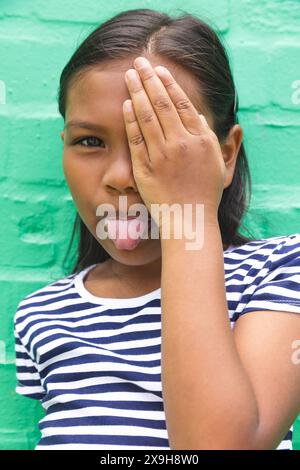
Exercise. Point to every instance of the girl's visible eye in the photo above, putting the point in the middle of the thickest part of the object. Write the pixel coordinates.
(89, 141)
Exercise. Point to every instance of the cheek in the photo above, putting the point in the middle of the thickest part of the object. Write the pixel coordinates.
(78, 178)
(83, 175)
(77, 171)
(71, 172)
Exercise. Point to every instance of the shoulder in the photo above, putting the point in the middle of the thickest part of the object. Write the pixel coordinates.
(263, 252)
(264, 275)
(43, 297)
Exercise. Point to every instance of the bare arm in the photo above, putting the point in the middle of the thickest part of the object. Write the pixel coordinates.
(208, 397)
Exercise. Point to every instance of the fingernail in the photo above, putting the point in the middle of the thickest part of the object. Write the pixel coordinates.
(127, 106)
(162, 71)
(141, 62)
(133, 77)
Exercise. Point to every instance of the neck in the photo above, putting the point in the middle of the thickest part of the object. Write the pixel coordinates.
(150, 271)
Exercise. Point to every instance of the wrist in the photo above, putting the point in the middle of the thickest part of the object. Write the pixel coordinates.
(179, 224)
(190, 234)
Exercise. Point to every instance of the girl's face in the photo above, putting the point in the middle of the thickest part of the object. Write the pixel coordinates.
(96, 157)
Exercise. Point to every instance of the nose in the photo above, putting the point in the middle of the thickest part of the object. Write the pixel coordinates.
(118, 176)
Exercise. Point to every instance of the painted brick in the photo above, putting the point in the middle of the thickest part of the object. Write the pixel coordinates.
(270, 207)
(43, 32)
(3, 144)
(284, 71)
(19, 427)
(36, 77)
(16, 9)
(275, 68)
(270, 15)
(17, 439)
(93, 12)
(276, 162)
(249, 61)
(29, 226)
(40, 136)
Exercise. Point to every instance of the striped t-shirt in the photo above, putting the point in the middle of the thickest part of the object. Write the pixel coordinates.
(95, 363)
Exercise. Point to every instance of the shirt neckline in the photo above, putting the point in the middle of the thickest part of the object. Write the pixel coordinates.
(114, 302)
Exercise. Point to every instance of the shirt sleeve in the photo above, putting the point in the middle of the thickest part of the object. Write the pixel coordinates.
(280, 287)
(28, 378)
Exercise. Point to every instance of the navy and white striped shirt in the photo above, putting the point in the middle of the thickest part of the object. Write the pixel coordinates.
(95, 363)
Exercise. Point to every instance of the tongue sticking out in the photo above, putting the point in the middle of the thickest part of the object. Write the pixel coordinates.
(126, 234)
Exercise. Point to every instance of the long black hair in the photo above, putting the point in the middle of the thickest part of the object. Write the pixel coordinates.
(190, 42)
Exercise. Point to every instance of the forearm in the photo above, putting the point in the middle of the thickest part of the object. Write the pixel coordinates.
(208, 398)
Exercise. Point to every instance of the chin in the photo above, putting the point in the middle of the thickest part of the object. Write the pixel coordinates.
(146, 252)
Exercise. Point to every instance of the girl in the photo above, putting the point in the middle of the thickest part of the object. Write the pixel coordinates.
(146, 345)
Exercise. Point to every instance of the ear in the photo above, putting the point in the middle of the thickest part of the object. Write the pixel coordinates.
(230, 150)
(62, 135)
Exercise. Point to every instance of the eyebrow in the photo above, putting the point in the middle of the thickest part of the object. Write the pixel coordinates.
(84, 125)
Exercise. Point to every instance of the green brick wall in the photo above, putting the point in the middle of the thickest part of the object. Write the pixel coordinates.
(37, 38)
